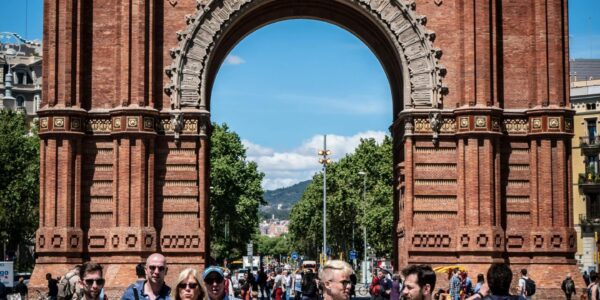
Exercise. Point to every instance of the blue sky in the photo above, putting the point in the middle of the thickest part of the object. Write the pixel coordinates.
(287, 84)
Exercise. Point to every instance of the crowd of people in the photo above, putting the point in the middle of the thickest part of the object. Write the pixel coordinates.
(334, 281)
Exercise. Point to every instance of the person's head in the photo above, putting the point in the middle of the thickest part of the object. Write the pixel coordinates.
(213, 279)
(568, 275)
(499, 277)
(188, 286)
(455, 271)
(48, 276)
(584, 272)
(21, 279)
(419, 282)
(480, 278)
(524, 272)
(91, 280)
(140, 271)
(278, 271)
(396, 277)
(156, 269)
(335, 278)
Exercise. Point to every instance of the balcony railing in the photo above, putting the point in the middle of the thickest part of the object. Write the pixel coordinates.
(589, 181)
(589, 143)
(589, 220)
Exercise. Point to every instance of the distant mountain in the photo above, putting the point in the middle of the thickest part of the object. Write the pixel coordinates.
(281, 201)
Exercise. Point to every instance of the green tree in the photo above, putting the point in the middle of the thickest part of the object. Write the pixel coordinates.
(19, 182)
(273, 246)
(345, 204)
(236, 194)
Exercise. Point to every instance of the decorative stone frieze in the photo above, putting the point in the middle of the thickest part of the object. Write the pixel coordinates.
(413, 43)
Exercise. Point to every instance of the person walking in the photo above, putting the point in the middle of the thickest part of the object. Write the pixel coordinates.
(154, 287)
(480, 282)
(91, 281)
(287, 286)
(261, 280)
(52, 287)
(592, 289)
(21, 288)
(297, 284)
(188, 286)
(278, 285)
(568, 287)
(396, 287)
(246, 287)
(499, 277)
(309, 286)
(3, 291)
(335, 280)
(524, 287)
(419, 282)
(586, 278)
(455, 285)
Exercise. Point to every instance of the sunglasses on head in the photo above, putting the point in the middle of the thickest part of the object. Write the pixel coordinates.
(212, 280)
(153, 268)
(90, 282)
(191, 285)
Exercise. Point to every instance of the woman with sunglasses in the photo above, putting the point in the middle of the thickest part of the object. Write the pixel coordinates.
(188, 286)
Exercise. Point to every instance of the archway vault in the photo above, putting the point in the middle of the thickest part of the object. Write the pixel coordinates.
(392, 30)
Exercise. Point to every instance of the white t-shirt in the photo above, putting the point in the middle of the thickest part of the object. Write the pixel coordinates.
(522, 284)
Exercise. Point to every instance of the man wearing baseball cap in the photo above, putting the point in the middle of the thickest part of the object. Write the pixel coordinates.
(214, 280)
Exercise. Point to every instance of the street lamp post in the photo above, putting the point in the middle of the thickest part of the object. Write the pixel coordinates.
(324, 161)
(364, 174)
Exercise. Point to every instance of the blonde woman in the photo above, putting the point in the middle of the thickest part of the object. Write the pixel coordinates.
(188, 286)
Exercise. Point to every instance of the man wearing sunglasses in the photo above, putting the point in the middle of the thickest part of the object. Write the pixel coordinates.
(214, 280)
(335, 280)
(154, 287)
(91, 281)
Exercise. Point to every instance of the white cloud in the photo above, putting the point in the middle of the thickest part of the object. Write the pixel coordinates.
(283, 169)
(256, 150)
(234, 60)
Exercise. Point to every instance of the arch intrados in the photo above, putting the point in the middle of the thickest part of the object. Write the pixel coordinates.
(338, 14)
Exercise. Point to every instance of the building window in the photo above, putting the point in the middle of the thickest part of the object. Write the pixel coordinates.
(592, 164)
(20, 78)
(591, 130)
(594, 206)
(590, 106)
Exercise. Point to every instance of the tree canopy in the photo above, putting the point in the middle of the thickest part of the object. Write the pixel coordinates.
(235, 194)
(346, 210)
(19, 181)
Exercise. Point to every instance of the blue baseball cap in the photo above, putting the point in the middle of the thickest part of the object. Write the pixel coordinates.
(212, 269)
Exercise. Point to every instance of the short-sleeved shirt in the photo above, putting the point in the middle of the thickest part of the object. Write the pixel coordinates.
(163, 294)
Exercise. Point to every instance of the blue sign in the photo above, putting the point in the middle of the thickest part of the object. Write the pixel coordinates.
(353, 255)
(294, 255)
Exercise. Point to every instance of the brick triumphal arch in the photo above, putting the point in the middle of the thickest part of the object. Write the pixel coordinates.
(481, 127)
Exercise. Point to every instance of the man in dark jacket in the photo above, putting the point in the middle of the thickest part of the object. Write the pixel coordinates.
(568, 287)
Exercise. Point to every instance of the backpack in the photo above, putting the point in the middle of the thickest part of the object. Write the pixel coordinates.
(569, 287)
(64, 287)
(529, 286)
